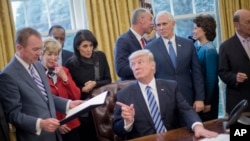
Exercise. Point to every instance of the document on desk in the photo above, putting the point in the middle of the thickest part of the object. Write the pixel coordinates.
(85, 107)
(220, 137)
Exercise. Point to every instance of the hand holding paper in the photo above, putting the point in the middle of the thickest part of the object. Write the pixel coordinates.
(80, 108)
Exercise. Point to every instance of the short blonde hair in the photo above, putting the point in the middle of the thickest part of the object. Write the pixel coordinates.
(52, 45)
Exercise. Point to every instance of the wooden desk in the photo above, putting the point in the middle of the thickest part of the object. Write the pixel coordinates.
(183, 134)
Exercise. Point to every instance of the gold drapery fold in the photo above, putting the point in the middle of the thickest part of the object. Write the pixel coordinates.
(108, 19)
(7, 33)
(226, 12)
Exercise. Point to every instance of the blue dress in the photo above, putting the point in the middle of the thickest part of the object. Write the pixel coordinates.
(208, 58)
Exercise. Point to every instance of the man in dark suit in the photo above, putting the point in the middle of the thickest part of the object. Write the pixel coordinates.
(132, 118)
(58, 32)
(186, 69)
(130, 41)
(27, 99)
(234, 62)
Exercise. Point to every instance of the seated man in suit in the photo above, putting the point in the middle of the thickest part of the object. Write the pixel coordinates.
(58, 32)
(133, 115)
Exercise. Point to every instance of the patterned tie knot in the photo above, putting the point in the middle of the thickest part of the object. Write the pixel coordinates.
(169, 42)
(143, 42)
(38, 81)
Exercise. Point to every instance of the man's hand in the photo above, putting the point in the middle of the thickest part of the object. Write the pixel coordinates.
(200, 131)
(49, 124)
(207, 108)
(75, 103)
(128, 112)
(241, 77)
(198, 105)
(64, 129)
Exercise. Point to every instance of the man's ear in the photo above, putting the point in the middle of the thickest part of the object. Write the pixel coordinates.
(19, 46)
(236, 25)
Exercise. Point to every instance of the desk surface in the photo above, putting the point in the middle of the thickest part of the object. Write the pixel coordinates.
(183, 134)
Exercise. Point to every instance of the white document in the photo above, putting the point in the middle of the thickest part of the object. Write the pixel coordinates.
(97, 100)
(220, 137)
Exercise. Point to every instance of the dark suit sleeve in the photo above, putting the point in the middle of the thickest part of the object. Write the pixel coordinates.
(225, 71)
(197, 76)
(118, 123)
(186, 111)
(122, 52)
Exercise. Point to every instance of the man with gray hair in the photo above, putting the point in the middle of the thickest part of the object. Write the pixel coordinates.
(151, 105)
(132, 40)
(176, 59)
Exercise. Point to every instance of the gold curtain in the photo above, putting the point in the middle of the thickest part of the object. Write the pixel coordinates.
(7, 49)
(108, 19)
(226, 12)
(7, 33)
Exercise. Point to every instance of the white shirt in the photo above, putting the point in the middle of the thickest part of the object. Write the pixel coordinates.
(138, 37)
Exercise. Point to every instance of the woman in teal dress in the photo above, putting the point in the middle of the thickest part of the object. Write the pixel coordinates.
(204, 32)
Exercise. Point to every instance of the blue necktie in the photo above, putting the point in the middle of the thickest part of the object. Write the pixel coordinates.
(155, 112)
(172, 53)
(38, 81)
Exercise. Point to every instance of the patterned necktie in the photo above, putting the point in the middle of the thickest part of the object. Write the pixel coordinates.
(172, 53)
(38, 81)
(143, 42)
(155, 112)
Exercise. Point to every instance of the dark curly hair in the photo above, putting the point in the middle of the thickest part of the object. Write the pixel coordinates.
(208, 25)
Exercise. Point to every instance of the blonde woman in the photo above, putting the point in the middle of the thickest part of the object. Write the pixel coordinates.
(61, 84)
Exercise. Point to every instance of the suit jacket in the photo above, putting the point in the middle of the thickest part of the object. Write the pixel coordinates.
(171, 102)
(24, 103)
(4, 129)
(232, 59)
(188, 70)
(124, 46)
(65, 56)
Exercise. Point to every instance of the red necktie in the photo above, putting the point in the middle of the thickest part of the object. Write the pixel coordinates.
(143, 42)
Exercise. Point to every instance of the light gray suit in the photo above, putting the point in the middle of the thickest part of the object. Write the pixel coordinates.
(24, 103)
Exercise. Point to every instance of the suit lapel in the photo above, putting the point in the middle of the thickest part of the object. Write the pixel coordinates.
(140, 101)
(134, 39)
(241, 48)
(164, 52)
(26, 77)
(161, 90)
(178, 50)
(22, 72)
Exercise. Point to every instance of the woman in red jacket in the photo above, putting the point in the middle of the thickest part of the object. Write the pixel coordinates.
(61, 84)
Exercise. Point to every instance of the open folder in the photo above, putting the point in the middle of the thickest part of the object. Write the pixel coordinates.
(85, 107)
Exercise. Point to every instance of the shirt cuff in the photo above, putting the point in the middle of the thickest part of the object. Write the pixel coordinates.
(38, 128)
(128, 128)
(196, 123)
(67, 106)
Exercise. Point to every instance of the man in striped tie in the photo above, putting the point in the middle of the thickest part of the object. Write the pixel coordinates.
(25, 93)
(148, 106)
